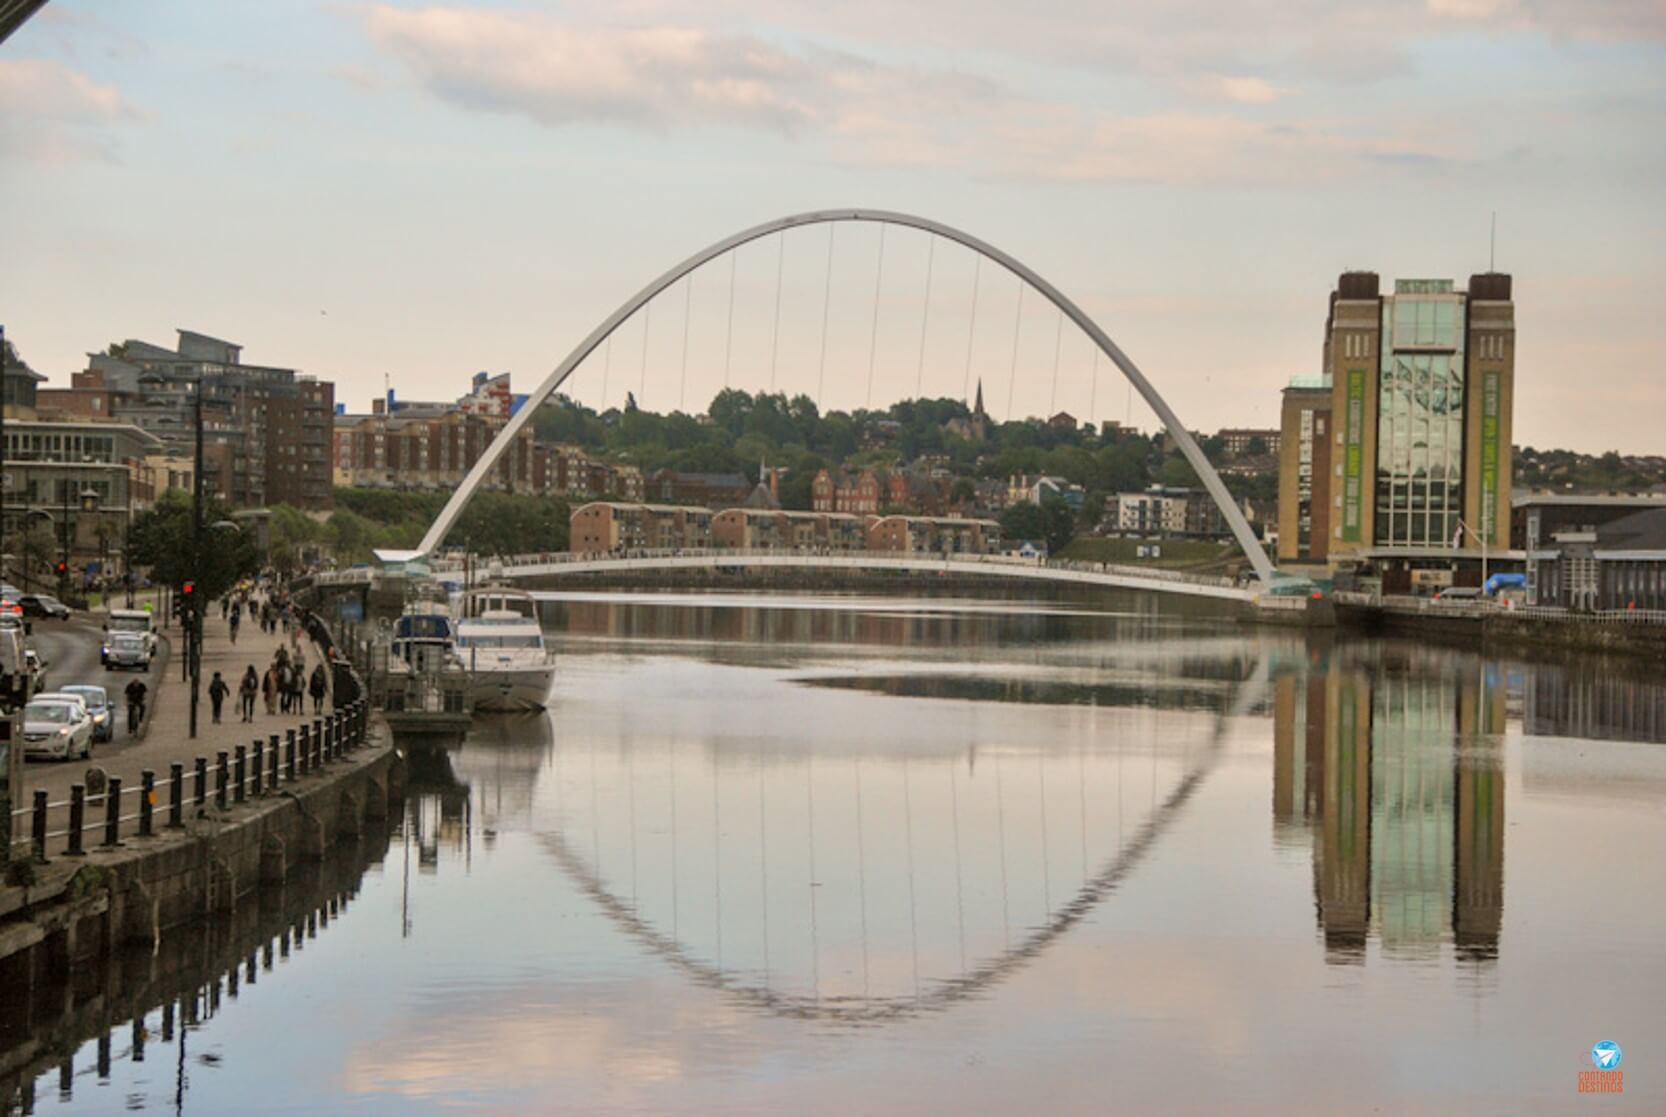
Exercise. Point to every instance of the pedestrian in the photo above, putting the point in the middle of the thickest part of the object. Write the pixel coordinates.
(318, 686)
(246, 691)
(217, 691)
(269, 689)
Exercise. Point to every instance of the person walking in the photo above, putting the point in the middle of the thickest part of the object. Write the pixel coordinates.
(217, 691)
(246, 691)
(269, 689)
(318, 686)
(236, 619)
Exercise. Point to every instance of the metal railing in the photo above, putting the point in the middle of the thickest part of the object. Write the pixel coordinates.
(510, 565)
(1488, 607)
(249, 772)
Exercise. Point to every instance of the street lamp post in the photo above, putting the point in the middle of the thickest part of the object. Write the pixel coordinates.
(194, 631)
(1482, 536)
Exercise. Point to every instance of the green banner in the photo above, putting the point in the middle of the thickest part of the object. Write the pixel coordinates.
(1490, 387)
(1353, 455)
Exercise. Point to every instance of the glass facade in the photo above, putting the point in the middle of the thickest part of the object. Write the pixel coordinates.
(1420, 417)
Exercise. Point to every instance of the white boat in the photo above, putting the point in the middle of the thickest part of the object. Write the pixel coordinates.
(501, 645)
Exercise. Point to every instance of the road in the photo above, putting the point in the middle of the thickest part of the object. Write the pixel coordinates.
(70, 649)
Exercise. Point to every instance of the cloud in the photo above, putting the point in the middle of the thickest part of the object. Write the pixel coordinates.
(1243, 90)
(561, 73)
(858, 110)
(50, 113)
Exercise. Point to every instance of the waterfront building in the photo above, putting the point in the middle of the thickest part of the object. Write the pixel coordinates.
(273, 424)
(1620, 564)
(607, 527)
(1422, 388)
(1167, 512)
(1242, 442)
(1304, 472)
(711, 490)
(77, 487)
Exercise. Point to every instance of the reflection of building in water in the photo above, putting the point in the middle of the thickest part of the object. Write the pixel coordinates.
(1398, 780)
(1590, 703)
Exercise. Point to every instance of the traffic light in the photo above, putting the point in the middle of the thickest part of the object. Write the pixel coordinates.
(61, 569)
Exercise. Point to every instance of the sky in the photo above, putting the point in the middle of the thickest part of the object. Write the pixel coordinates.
(403, 194)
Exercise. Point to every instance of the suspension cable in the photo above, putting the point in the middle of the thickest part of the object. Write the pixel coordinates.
(1058, 341)
(775, 338)
(971, 330)
(729, 330)
(607, 369)
(1017, 324)
(647, 320)
(826, 303)
(873, 331)
(1093, 395)
(925, 316)
(688, 305)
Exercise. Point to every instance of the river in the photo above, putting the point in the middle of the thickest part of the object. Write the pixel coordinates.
(869, 854)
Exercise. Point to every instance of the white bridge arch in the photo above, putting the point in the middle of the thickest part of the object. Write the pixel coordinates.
(1177, 430)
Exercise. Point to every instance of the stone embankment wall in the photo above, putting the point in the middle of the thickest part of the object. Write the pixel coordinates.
(71, 909)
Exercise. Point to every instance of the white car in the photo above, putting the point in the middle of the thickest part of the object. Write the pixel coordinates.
(96, 701)
(57, 729)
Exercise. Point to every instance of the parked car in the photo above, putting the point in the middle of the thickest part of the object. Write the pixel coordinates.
(1460, 595)
(43, 605)
(57, 729)
(124, 650)
(97, 701)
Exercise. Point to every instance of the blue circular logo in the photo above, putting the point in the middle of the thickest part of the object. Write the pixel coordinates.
(1605, 1055)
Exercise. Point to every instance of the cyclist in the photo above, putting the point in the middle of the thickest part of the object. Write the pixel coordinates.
(136, 691)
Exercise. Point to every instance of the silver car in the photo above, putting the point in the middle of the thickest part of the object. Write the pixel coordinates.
(57, 729)
(125, 649)
(97, 701)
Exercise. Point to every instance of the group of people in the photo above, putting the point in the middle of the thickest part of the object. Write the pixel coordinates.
(286, 683)
(271, 612)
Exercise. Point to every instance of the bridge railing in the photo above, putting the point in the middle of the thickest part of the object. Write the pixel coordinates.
(511, 564)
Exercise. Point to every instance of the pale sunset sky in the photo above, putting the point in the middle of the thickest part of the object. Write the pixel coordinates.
(407, 192)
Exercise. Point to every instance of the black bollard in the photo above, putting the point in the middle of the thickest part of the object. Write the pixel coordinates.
(147, 803)
(77, 818)
(38, 825)
(257, 765)
(202, 780)
(222, 778)
(289, 756)
(239, 773)
(272, 747)
(112, 812)
(176, 796)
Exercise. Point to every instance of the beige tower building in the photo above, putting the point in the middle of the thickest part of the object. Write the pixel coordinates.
(1422, 385)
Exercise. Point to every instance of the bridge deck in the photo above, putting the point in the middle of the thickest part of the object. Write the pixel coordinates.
(517, 568)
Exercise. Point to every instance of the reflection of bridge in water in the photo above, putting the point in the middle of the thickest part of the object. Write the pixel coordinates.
(861, 890)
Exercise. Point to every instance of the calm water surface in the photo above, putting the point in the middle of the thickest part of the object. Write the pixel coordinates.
(866, 855)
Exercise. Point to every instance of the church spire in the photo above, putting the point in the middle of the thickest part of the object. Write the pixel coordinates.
(977, 409)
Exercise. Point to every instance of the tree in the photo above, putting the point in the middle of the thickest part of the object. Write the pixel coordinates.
(163, 539)
(1058, 524)
(1256, 447)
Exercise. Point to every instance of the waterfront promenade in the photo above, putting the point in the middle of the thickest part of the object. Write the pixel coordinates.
(72, 655)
